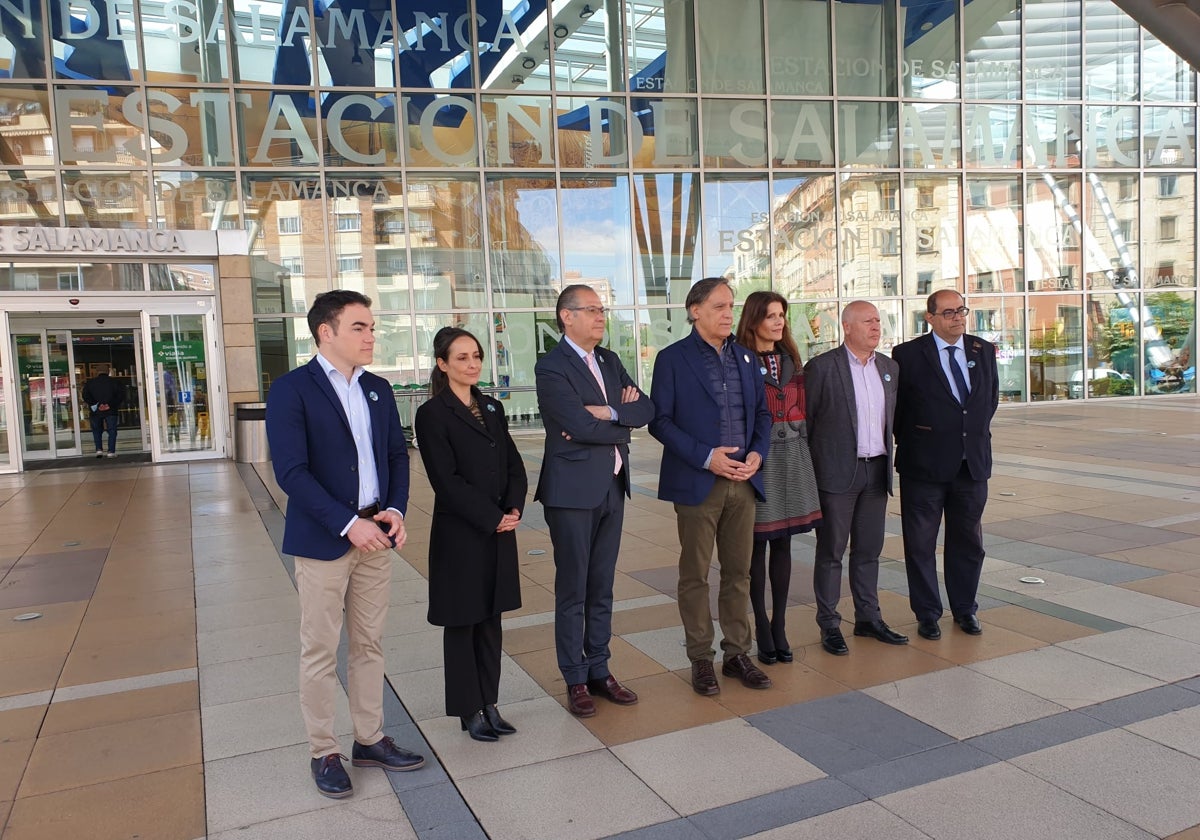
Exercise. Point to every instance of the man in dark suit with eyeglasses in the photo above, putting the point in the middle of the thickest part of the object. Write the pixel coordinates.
(948, 394)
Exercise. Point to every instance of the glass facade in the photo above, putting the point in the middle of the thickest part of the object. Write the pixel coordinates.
(461, 161)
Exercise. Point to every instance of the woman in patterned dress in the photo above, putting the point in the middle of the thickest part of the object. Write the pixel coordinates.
(792, 505)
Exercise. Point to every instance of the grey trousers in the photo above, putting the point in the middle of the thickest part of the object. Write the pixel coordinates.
(855, 517)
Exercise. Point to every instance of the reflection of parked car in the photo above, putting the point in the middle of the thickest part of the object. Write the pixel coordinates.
(1100, 381)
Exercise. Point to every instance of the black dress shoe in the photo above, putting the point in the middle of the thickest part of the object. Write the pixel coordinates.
(879, 630)
(499, 725)
(929, 630)
(767, 657)
(969, 624)
(834, 642)
(784, 654)
(331, 777)
(384, 753)
(477, 727)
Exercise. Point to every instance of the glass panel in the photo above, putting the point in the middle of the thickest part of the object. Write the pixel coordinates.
(1052, 252)
(521, 339)
(866, 47)
(394, 359)
(25, 125)
(192, 201)
(36, 415)
(737, 232)
(514, 50)
(596, 236)
(1114, 136)
(435, 44)
(1001, 320)
(815, 326)
(188, 128)
(735, 133)
(1111, 213)
(1168, 77)
(285, 223)
(387, 237)
(867, 134)
(666, 210)
(116, 353)
(445, 218)
(1169, 136)
(1112, 52)
(71, 277)
(891, 316)
(731, 47)
(185, 41)
(283, 344)
(1170, 361)
(181, 277)
(992, 50)
(360, 129)
(29, 197)
(930, 61)
(659, 327)
(1053, 33)
(523, 239)
(92, 127)
(278, 129)
(661, 45)
(439, 130)
(180, 356)
(62, 407)
(1053, 135)
(805, 236)
(798, 38)
(665, 133)
(356, 40)
(5, 456)
(994, 235)
(107, 199)
(870, 235)
(94, 41)
(587, 47)
(1113, 334)
(930, 135)
(22, 54)
(591, 132)
(1055, 345)
(1169, 260)
(801, 133)
(993, 136)
(271, 42)
(930, 233)
(520, 131)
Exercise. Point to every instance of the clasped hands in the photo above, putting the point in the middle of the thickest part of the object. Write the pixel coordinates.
(509, 521)
(721, 464)
(370, 534)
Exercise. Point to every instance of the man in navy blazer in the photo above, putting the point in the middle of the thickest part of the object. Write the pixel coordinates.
(340, 455)
(949, 391)
(712, 419)
(588, 404)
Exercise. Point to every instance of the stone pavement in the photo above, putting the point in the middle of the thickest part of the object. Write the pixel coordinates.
(156, 695)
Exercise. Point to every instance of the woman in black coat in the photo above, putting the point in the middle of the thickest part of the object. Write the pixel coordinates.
(479, 486)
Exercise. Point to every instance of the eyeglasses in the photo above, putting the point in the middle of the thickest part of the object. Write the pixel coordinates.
(950, 313)
(591, 310)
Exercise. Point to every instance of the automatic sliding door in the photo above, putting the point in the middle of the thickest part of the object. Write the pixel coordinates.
(49, 412)
(178, 351)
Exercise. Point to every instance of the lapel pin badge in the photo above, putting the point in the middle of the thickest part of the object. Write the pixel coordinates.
(887, 377)
(746, 357)
(970, 364)
(491, 408)
(763, 371)
(374, 397)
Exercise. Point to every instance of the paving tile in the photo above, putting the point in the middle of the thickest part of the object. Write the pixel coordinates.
(1192, 833)
(1122, 605)
(527, 639)
(1179, 730)
(1096, 569)
(847, 732)
(959, 648)
(775, 809)
(677, 765)
(130, 659)
(513, 804)
(1030, 554)
(48, 641)
(666, 703)
(1137, 535)
(14, 755)
(167, 804)
(1010, 579)
(1031, 623)
(864, 821)
(120, 630)
(413, 651)
(424, 692)
(1135, 779)
(1154, 654)
(120, 707)
(55, 615)
(233, 787)
(1064, 677)
(129, 748)
(680, 829)
(21, 724)
(627, 663)
(263, 723)
(135, 605)
(870, 663)
(248, 642)
(1004, 802)
(24, 676)
(244, 679)
(237, 614)
(962, 702)
(240, 591)
(666, 646)
(1122, 711)
(793, 682)
(355, 817)
(1174, 587)
(438, 811)
(1038, 734)
(1186, 627)
(917, 769)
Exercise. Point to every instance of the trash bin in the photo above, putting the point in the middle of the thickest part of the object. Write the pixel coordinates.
(250, 435)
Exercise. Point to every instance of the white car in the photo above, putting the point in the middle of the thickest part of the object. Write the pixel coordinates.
(1095, 375)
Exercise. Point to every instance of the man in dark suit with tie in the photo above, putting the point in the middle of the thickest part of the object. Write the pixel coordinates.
(712, 419)
(588, 404)
(340, 455)
(850, 395)
(949, 390)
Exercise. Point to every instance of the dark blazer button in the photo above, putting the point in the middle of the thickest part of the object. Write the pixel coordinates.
(353, 468)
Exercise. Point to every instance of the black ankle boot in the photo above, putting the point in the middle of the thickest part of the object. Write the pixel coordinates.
(499, 725)
(477, 727)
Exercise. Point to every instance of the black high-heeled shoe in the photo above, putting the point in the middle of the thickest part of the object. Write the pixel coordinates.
(784, 654)
(477, 727)
(499, 725)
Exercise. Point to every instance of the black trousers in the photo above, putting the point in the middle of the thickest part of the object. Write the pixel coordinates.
(922, 507)
(472, 654)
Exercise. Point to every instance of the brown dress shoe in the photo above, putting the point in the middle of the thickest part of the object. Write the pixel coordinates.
(579, 702)
(741, 667)
(704, 679)
(612, 691)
